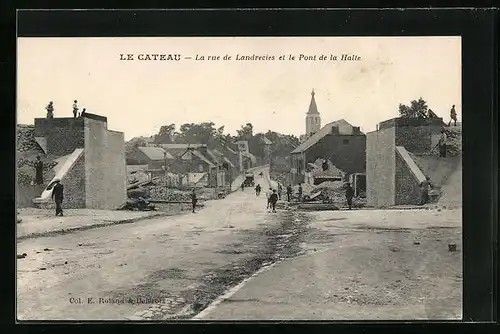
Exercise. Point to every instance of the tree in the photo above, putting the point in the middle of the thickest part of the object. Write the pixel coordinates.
(202, 133)
(246, 132)
(165, 135)
(418, 108)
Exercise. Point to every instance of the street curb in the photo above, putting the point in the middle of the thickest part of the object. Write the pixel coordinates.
(105, 223)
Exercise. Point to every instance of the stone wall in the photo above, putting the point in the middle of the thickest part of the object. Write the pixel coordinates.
(74, 186)
(105, 171)
(346, 152)
(381, 167)
(406, 184)
(418, 139)
(63, 135)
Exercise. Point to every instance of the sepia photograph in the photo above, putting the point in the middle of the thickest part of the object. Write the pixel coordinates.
(239, 178)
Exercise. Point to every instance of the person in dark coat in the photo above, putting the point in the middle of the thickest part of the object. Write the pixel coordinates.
(194, 200)
(349, 194)
(58, 196)
(257, 190)
(273, 199)
(38, 170)
(50, 110)
(453, 115)
(289, 192)
(442, 144)
(424, 188)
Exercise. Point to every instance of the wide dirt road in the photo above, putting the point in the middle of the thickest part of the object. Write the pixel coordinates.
(156, 267)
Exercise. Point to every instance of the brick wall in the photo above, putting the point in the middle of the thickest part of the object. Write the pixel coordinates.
(406, 184)
(380, 167)
(63, 135)
(105, 171)
(346, 152)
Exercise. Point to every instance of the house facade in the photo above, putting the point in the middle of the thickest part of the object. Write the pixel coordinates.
(339, 142)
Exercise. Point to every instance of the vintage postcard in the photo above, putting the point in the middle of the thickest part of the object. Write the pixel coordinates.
(248, 178)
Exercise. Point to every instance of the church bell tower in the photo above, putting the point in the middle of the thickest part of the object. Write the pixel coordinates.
(313, 119)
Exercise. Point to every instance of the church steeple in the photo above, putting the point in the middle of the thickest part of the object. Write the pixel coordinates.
(313, 119)
(313, 109)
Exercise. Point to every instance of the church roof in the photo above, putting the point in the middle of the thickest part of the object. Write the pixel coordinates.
(313, 109)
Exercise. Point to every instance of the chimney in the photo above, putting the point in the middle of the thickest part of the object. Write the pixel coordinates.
(356, 130)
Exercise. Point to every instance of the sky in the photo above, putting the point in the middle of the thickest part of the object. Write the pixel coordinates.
(139, 96)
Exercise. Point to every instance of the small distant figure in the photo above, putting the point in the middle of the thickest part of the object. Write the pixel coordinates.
(425, 185)
(300, 192)
(280, 190)
(50, 110)
(58, 196)
(242, 186)
(289, 192)
(453, 116)
(75, 108)
(349, 194)
(257, 190)
(442, 144)
(273, 199)
(38, 170)
(83, 113)
(194, 199)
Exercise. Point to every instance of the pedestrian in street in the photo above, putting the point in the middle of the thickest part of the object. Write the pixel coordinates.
(425, 185)
(75, 109)
(453, 116)
(349, 194)
(242, 186)
(38, 170)
(273, 199)
(194, 199)
(257, 190)
(50, 110)
(300, 192)
(58, 196)
(289, 192)
(442, 144)
(268, 196)
(280, 190)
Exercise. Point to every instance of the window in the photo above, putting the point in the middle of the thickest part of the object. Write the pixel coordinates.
(345, 141)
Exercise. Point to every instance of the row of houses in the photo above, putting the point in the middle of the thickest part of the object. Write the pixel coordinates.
(214, 166)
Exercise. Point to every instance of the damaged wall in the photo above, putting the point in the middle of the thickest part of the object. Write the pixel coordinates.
(105, 171)
(381, 167)
(407, 185)
(63, 135)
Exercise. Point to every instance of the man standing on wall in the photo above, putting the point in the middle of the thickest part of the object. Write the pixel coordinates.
(50, 110)
(38, 170)
(75, 109)
(57, 196)
(453, 115)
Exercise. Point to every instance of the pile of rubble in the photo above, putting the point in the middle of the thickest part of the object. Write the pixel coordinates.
(333, 190)
(454, 141)
(25, 136)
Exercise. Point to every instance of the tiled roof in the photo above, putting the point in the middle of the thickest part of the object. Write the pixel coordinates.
(155, 153)
(327, 129)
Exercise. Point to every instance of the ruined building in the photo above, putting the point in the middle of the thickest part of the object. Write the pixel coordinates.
(90, 161)
(400, 154)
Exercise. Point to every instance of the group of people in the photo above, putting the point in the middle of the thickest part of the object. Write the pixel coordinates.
(50, 110)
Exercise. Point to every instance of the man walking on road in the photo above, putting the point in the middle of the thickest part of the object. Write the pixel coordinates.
(300, 192)
(273, 199)
(58, 196)
(257, 190)
(280, 190)
(268, 196)
(349, 194)
(289, 192)
(194, 199)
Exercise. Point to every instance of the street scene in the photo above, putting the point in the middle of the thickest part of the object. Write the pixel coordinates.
(242, 200)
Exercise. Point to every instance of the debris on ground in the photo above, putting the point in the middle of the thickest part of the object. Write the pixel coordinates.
(22, 256)
(138, 203)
